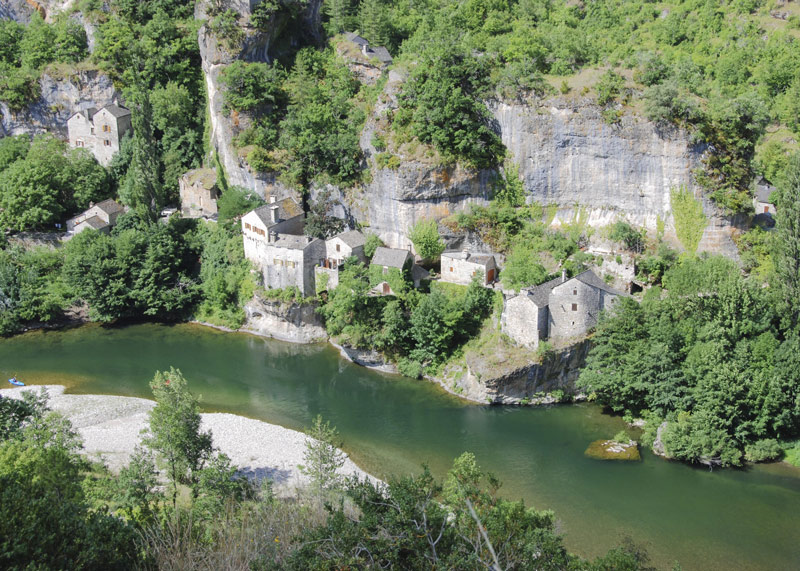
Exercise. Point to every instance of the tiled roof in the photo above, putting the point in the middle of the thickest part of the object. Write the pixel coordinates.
(110, 206)
(541, 293)
(419, 273)
(88, 113)
(479, 259)
(390, 257)
(293, 242)
(287, 208)
(592, 279)
(763, 191)
(352, 238)
(117, 111)
(381, 53)
(95, 222)
(356, 39)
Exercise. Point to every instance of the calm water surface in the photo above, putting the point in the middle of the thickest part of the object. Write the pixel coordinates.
(705, 520)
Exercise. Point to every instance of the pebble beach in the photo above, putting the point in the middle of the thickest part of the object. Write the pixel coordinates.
(111, 428)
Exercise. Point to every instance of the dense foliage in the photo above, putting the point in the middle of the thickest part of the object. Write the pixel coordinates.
(711, 358)
(43, 182)
(59, 511)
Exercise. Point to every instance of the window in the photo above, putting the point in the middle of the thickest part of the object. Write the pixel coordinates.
(574, 292)
(106, 142)
(766, 210)
(574, 307)
(78, 143)
(451, 268)
(338, 248)
(106, 129)
(290, 264)
(247, 226)
(92, 130)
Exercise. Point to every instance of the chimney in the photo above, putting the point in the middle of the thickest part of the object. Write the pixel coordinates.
(273, 214)
(364, 49)
(273, 237)
(271, 199)
(563, 275)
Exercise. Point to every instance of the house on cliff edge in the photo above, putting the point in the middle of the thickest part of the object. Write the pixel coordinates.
(560, 310)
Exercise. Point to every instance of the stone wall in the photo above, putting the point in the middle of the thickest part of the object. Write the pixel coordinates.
(284, 267)
(523, 321)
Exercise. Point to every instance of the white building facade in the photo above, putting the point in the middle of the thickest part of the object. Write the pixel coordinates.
(99, 131)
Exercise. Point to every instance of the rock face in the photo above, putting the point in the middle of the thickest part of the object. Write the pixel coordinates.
(366, 358)
(569, 156)
(395, 200)
(297, 323)
(60, 99)
(256, 46)
(528, 383)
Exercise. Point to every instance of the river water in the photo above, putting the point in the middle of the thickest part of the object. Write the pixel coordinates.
(725, 519)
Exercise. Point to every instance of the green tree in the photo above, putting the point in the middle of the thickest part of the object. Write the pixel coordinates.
(174, 433)
(427, 241)
(142, 189)
(372, 243)
(322, 457)
(339, 15)
(371, 16)
(319, 222)
(788, 242)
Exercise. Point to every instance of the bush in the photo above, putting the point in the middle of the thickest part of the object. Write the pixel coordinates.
(763, 450)
(427, 241)
(609, 87)
(633, 239)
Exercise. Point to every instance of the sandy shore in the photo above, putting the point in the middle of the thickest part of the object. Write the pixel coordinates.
(111, 427)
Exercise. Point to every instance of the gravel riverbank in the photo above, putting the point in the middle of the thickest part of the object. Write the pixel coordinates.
(111, 427)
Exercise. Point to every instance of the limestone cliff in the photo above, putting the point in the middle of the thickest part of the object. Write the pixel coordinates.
(255, 46)
(61, 96)
(297, 323)
(488, 381)
(569, 156)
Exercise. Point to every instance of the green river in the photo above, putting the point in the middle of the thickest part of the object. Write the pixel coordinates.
(724, 519)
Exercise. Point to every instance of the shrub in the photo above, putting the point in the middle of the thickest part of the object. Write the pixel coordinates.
(763, 450)
(426, 239)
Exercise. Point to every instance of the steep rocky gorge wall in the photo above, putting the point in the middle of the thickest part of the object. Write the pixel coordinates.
(569, 156)
(255, 47)
(60, 98)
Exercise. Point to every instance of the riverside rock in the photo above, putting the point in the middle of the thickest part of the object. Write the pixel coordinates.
(613, 450)
(293, 322)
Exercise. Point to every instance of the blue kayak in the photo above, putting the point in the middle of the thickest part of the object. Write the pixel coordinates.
(15, 382)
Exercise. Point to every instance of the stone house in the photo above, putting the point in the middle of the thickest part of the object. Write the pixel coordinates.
(279, 221)
(99, 131)
(101, 217)
(289, 261)
(460, 267)
(370, 52)
(761, 200)
(560, 309)
(199, 193)
(337, 250)
(389, 266)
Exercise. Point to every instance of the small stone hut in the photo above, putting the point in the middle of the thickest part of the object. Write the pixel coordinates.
(199, 193)
(101, 217)
(460, 267)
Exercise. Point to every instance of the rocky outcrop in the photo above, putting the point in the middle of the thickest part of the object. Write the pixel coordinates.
(569, 156)
(368, 358)
(297, 323)
(255, 46)
(396, 199)
(61, 97)
(529, 383)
